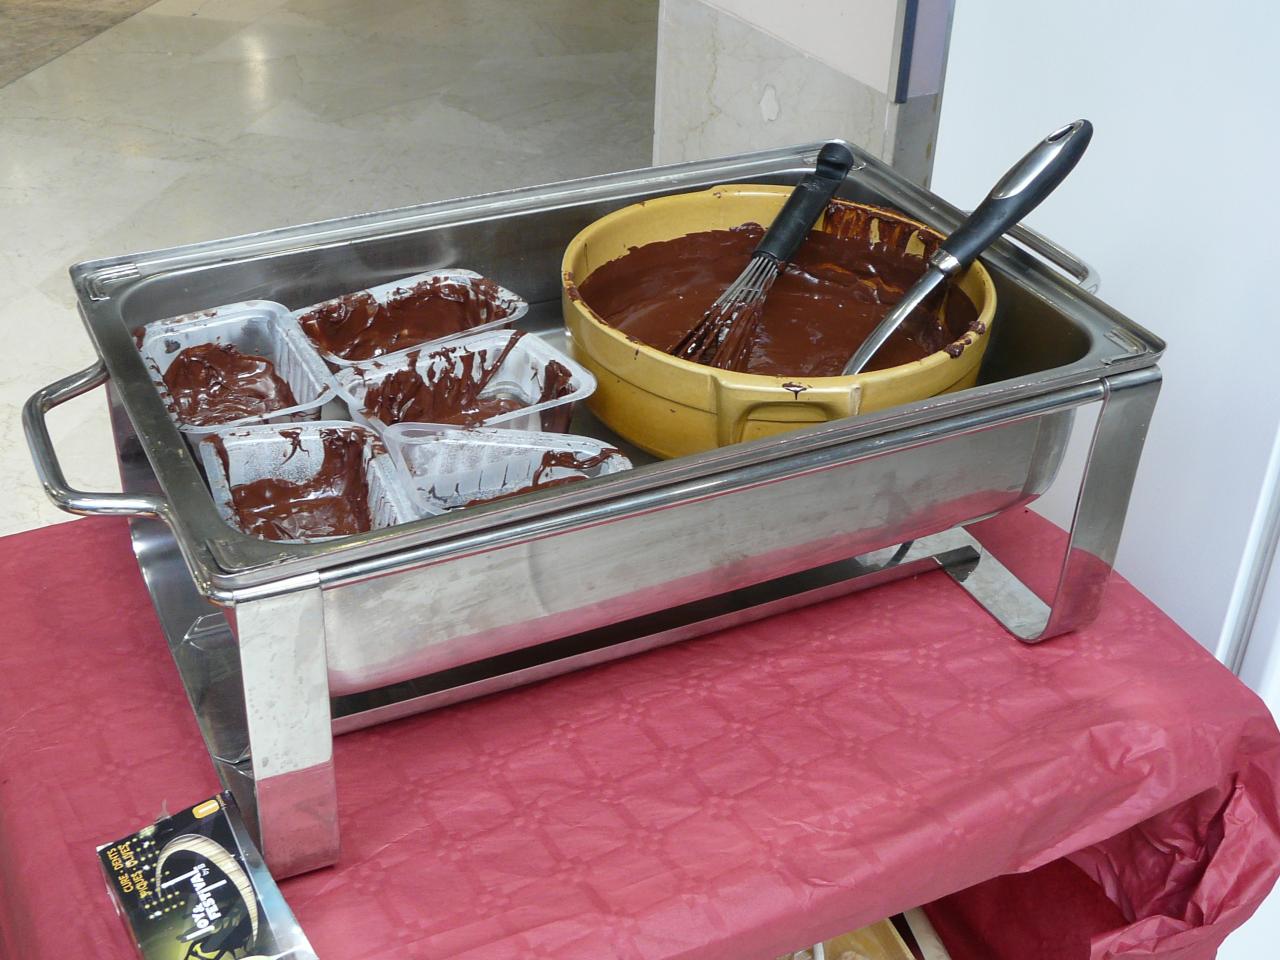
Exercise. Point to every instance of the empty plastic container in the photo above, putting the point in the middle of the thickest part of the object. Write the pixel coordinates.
(453, 468)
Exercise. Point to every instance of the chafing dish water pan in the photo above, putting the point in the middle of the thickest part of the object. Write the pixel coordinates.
(283, 645)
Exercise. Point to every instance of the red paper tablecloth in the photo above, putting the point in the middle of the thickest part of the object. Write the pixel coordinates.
(730, 797)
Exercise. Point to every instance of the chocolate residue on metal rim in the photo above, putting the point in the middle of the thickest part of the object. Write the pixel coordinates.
(846, 276)
(795, 388)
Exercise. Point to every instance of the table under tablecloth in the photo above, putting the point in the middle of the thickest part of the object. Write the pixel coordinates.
(728, 797)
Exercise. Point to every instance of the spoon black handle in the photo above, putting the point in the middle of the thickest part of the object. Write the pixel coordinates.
(1019, 192)
(806, 203)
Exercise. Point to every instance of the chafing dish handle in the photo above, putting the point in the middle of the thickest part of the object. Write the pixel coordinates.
(46, 461)
(1082, 273)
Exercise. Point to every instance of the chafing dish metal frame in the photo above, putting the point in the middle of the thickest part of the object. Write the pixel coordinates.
(262, 690)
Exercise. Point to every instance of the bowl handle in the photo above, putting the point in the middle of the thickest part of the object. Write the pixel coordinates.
(46, 460)
(734, 406)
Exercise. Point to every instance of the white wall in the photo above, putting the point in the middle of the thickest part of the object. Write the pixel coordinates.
(1175, 203)
(1261, 669)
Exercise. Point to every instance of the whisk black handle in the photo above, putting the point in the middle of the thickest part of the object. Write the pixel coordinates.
(806, 203)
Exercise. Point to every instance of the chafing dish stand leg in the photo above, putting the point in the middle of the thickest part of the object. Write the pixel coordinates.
(286, 697)
(1103, 499)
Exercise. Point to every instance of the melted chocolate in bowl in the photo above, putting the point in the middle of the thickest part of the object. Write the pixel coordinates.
(212, 383)
(358, 327)
(333, 503)
(825, 302)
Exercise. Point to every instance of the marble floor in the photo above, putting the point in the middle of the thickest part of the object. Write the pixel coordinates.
(33, 32)
(198, 119)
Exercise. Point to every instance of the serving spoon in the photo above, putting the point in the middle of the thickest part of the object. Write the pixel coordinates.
(1018, 192)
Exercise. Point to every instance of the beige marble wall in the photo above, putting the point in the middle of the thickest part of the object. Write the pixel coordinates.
(726, 85)
(855, 37)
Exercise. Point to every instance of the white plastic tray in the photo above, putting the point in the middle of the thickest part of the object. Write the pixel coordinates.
(257, 327)
(385, 292)
(271, 451)
(448, 469)
(519, 377)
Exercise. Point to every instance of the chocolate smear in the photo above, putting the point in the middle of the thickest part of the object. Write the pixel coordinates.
(211, 383)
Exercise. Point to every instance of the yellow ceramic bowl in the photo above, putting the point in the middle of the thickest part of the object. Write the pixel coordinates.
(672, 407)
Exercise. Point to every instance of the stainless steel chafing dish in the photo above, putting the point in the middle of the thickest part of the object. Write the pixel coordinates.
(282, 646)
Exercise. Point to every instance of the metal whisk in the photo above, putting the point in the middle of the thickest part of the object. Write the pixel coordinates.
(724, 336)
